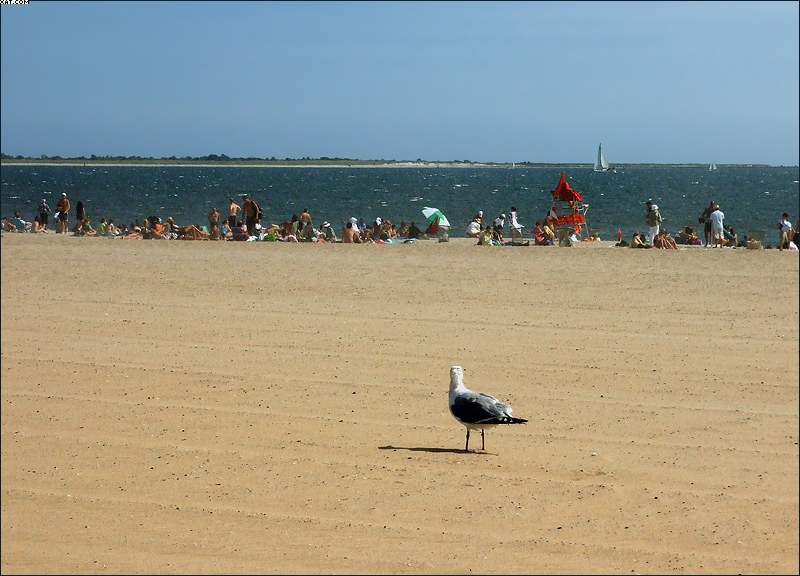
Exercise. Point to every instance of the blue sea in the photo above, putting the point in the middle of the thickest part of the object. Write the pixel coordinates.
(752, 197)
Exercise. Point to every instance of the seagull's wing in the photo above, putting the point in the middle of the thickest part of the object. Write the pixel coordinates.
(472, 408)
(502, 407)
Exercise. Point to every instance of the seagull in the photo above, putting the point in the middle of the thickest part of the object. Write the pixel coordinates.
(476, 410)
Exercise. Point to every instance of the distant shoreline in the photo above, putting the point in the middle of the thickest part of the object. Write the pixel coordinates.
(357, 164)
(265, 165)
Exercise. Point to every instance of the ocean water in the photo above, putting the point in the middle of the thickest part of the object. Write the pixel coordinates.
(752, 197)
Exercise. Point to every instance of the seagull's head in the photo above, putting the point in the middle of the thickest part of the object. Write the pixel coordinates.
(456, 376)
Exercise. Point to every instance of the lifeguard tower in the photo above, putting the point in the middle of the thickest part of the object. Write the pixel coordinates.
(568, 213)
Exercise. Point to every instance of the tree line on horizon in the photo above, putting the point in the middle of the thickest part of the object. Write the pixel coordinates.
(223, 158)
(323, 160)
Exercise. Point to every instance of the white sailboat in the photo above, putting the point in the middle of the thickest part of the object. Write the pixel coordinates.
(600, 165)
(712, 167)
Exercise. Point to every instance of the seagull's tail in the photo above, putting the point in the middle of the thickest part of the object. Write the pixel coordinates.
(504, 420)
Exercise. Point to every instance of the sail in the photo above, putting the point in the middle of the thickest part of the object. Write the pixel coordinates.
(600, 165)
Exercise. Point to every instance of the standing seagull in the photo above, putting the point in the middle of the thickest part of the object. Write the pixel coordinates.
(476, 411)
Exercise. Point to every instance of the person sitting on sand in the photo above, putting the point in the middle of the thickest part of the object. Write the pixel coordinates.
(170, 230)
(37, 225)
(157, 229)
(731, 238)
(549, 233)
(21, 225)
(413, 231)
(134, 232)
(86, 228)
(351, 235)
(192, 232)
(539, 237)
(308, 233)
(486, 235)
(225, 230)
(664, 241)
(473, 229)
(388, 230)
(638, 242)
(497, 236)
(687, 236)
(327, 233)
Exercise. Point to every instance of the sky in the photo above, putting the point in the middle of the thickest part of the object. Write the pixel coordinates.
(542, 82)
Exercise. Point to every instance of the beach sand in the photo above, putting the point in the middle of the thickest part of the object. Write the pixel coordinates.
(225, 407)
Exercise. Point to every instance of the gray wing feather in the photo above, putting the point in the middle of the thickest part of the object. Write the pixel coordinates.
(494, 405)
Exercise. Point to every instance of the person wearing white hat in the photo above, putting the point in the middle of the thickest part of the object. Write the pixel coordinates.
(653, 217)
(499, 223)
(327, 232)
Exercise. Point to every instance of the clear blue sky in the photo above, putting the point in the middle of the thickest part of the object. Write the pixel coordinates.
(660, 82)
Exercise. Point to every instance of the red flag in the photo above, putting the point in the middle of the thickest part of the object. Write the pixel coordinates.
(565, 192)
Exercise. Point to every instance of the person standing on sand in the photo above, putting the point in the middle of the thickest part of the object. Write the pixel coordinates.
(44, 212)
(62, 218)
(80, 216)
(785, 231)
(653, 217)
(250, 210)
(213, 219)
(305, 217)
(705, 219)
(233, 212)
(717, 230)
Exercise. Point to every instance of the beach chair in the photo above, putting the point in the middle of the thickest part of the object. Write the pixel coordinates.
(517, 233)
(756, 238)
(517, 230)
(20, 225)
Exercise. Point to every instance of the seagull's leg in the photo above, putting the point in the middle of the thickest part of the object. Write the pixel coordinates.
(466, 448)
(483, 444)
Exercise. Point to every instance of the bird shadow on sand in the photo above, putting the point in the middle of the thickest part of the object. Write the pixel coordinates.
(434, 450)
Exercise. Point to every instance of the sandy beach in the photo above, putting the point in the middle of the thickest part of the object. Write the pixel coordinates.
(238, 407)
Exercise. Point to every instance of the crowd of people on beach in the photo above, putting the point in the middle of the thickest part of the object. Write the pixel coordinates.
(716, 233)
(244, 223)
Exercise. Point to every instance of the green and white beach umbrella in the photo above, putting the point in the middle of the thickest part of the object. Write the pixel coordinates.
(434, 214)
